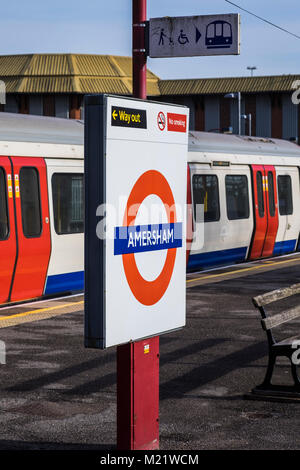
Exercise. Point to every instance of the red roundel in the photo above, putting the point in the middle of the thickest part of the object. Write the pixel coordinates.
(149, 292)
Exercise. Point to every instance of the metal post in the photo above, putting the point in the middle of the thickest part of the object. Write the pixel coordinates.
(138, 362)
(139, 58)
(250, 124)
(239, 97)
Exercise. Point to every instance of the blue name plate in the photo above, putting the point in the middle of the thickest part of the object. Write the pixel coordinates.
(141, 238)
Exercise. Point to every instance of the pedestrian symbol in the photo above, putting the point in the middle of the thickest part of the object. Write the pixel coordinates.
(162, 38)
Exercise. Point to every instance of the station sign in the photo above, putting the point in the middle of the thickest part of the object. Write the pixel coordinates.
(135, 226)
(187, 36)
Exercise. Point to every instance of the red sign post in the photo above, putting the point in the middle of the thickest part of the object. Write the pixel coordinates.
(138, 362)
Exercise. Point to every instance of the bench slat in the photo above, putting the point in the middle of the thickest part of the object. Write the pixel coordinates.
(277, 294)
(279, 318)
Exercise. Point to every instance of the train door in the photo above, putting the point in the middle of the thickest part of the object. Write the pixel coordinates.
(189, 216)
(223, 221)
(289, 222)
(33, 228)
(265, 211)
(65, 178)
(238, 227)
(260, 214)
(270, 188)
(8, 246)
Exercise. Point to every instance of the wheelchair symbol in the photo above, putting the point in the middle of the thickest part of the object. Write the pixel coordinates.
(182, 38)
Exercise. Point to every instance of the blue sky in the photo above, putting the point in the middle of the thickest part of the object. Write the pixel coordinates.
(104, 27)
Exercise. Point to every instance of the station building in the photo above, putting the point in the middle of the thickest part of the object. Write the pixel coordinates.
(55, 84)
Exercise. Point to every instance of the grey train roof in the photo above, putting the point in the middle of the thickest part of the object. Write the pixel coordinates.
(30, 128)
(235, 144)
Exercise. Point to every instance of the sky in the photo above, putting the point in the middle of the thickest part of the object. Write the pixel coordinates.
(104, 27)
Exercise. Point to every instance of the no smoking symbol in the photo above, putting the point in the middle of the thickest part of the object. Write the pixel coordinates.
(161, 121)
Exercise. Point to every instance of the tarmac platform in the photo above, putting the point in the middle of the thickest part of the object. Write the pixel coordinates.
(56, 395)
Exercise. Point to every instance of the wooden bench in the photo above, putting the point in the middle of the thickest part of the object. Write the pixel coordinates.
(286, 347)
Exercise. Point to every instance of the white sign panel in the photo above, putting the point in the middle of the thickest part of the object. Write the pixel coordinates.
(135, 250)
(188, 36)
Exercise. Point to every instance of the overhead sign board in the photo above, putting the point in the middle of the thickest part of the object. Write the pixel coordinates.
(188, 36)
(135, 250)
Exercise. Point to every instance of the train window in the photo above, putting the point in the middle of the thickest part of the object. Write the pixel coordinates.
(210, 33)
(285, 195)
(219, 27)
(237, 197)
(4, 229)
(30, 202)
(271, 194)
(260, 194)
(226, 30)
(67, 189)
(206, 193)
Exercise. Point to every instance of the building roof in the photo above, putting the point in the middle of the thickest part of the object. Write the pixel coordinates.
(91, 73)
(273, 83)
(70, 73)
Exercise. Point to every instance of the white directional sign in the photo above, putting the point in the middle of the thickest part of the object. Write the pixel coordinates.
(135, 250)
(188, 36)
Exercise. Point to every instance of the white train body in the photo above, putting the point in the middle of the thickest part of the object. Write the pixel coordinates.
(248, 189)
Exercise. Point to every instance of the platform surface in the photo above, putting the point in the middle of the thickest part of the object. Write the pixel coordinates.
(55, 394)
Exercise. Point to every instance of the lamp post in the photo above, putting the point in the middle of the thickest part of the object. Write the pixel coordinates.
(237, 96)
(249, 117)
(252, 69)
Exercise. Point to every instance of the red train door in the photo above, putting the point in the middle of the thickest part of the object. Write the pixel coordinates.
(33, 228)
(260, 213)
(265, 211)
(8, 245)
(272, 210)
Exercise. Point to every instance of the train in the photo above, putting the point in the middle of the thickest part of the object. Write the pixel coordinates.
(247, 187)
(218, 35)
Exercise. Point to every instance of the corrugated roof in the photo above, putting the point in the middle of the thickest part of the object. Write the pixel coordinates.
(279, 83)
(103, 85)
(70, 73)
(90, 73)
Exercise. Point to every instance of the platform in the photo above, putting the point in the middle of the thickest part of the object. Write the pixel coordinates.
(55, 394)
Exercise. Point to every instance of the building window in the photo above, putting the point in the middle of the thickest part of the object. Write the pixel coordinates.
(237, 197)
(4, 228)
(67, 189)
(30, 202)
(285, 195)
(75, 106)
(49, 105)
(206, 193)
(24, 104)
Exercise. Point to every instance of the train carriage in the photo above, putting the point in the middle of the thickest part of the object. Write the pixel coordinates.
(41, 206)
(243, 192)
(249, 189)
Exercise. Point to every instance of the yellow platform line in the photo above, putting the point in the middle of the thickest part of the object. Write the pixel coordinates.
(252, 268)
(40, 310)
